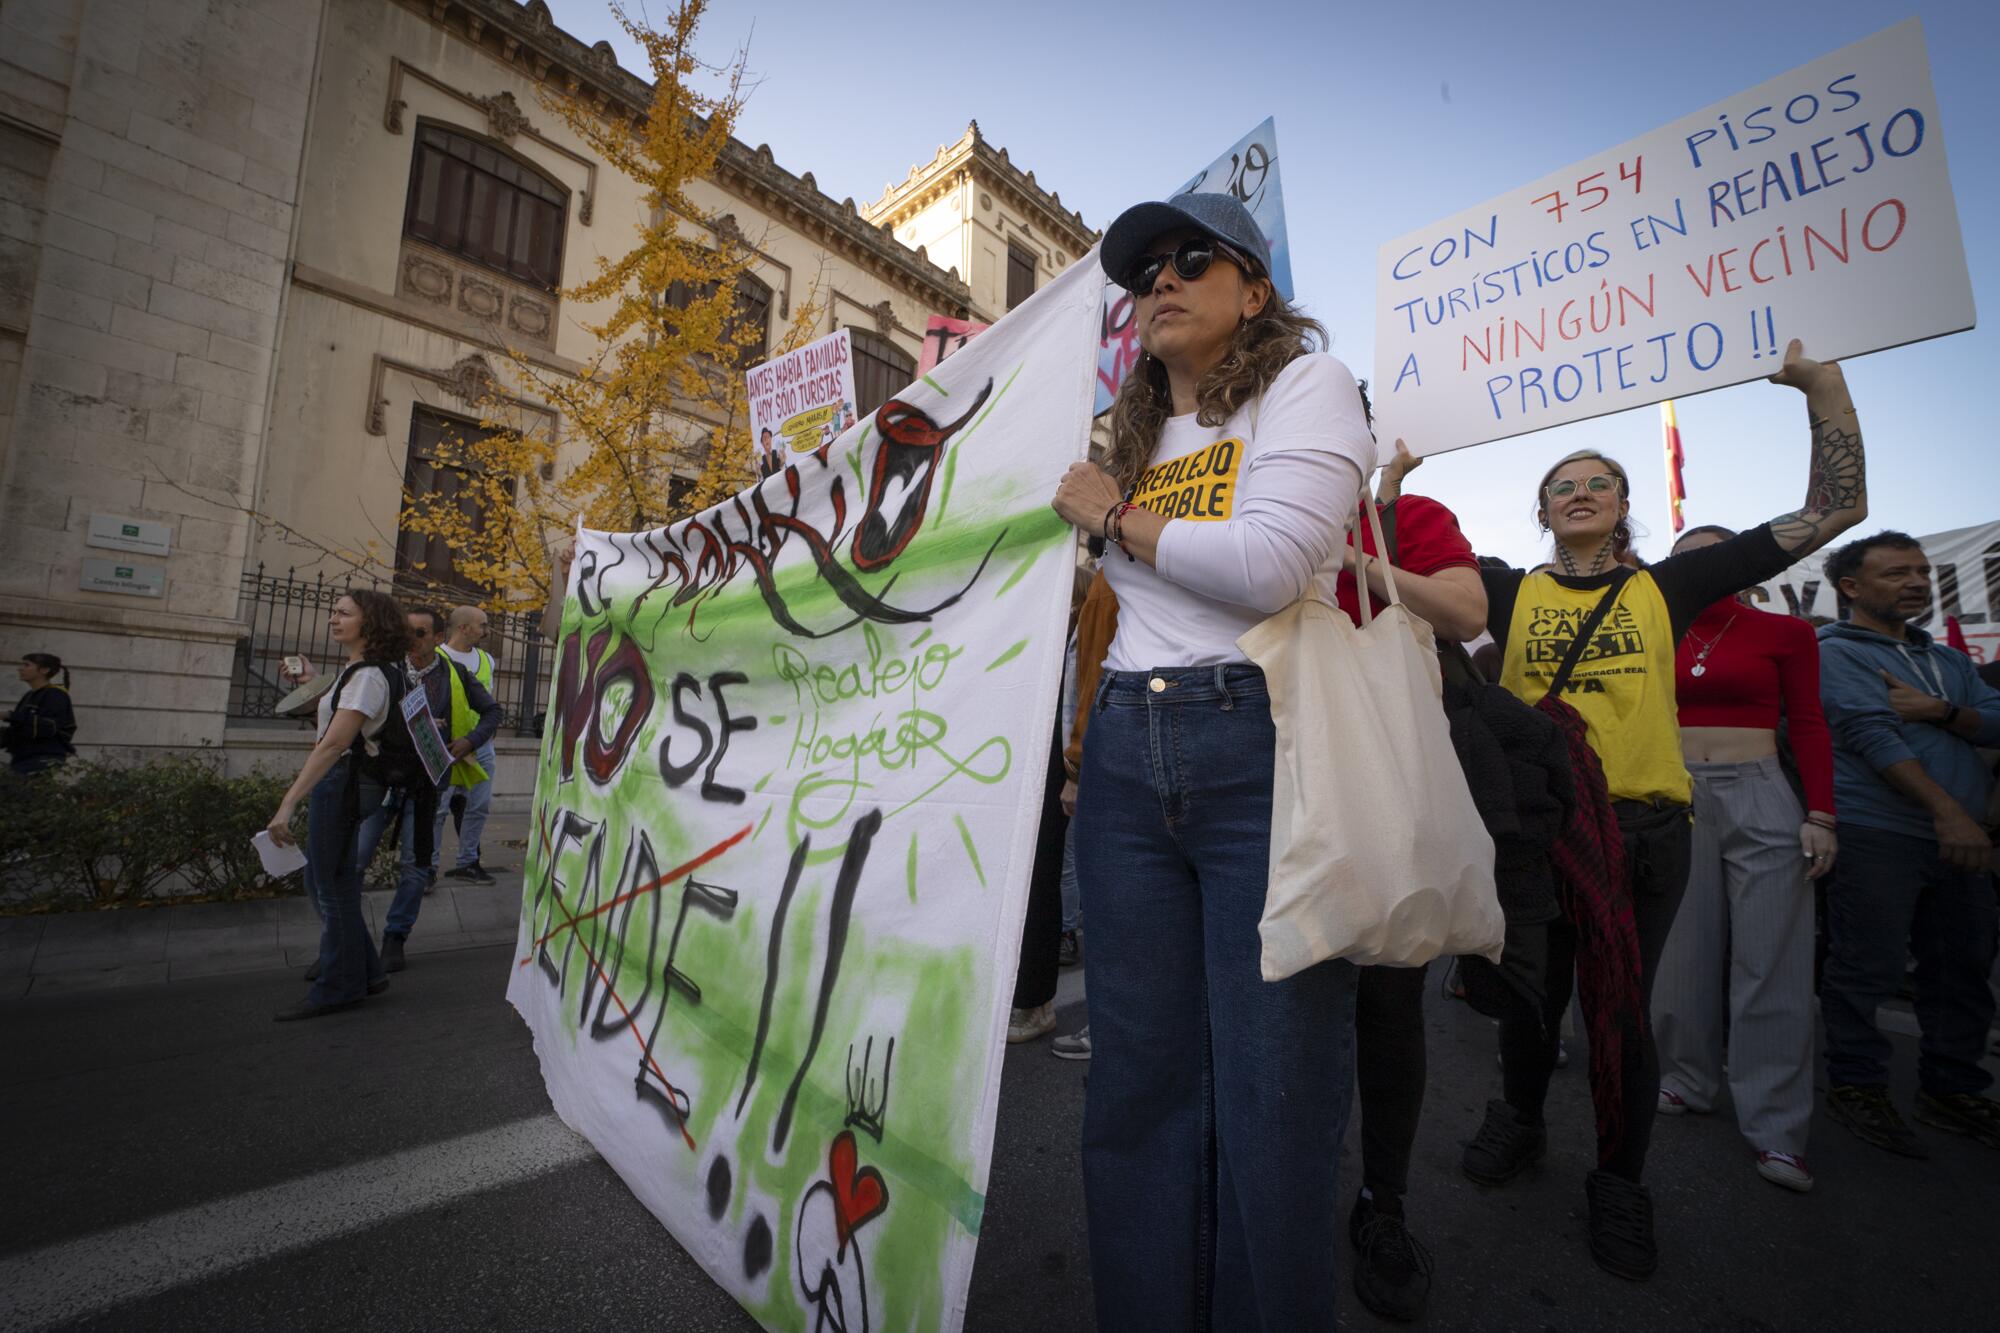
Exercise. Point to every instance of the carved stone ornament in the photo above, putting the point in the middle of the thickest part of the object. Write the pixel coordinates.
(529, 317)
(479, 299)
(728, 229)
(504, 116)
(470, 380)
(583, 211)
(425, 277)
(538, 15)
(885, 317)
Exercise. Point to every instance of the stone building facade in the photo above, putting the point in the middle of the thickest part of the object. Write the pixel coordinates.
(233, 308)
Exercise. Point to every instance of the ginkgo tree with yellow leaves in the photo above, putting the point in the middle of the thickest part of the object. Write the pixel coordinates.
(664, 392)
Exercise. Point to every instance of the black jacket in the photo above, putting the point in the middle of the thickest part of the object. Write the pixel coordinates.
(41, 725)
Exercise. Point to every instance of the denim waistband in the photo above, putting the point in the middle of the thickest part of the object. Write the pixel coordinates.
(1222, 684)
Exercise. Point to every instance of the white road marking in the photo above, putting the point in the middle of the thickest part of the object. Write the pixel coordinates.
(128, 1263)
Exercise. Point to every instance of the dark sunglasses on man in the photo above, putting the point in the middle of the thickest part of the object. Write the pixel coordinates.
(1190, 259)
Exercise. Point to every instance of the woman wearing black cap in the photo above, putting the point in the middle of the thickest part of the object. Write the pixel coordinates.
(1217, 1100)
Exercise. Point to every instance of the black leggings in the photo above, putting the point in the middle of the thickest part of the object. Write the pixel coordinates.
(1041, 928)
(1389, 1062)
(1658, 845)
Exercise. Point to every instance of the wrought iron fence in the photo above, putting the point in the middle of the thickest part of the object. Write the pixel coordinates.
(287, 615)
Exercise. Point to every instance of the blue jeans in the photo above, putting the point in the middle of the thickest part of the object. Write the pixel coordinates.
(411, 879)
(478, 801)
(1890, 898)
(348, 961)
(1217, 1100)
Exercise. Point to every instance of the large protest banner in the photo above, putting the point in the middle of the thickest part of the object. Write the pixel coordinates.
(1249, 171)
(783, 823)
(1965, 584)
(1816, 206)
(801, 400)
(944, 335)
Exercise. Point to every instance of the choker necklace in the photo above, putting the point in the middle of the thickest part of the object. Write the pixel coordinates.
(1707, 647)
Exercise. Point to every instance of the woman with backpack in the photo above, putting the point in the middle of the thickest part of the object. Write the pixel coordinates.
(38, 731)
(1592, 642)
(339, 790)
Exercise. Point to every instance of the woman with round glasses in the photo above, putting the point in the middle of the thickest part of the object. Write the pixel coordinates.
(1622, 684)
(1213, 1119)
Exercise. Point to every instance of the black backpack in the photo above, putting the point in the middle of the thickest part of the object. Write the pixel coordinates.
(395, 762)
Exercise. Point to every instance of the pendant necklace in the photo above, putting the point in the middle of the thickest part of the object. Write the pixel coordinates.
(1707, 647)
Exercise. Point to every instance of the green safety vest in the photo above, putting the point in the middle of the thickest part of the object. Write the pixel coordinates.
(467, 772)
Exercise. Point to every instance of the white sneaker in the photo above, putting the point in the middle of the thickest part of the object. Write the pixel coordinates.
(1783, 1168)
(1671, 1103)
(1076, 1046)
(1028, 1024)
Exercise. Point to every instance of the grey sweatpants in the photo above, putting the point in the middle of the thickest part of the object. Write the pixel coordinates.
(1738, 964)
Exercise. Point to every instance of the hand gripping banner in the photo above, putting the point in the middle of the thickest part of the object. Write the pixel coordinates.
(783, 825)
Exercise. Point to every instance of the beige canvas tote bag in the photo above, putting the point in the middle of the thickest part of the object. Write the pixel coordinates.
(1377, 852)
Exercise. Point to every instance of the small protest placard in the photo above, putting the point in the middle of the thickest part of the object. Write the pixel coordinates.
(944, 335)
(424, 733)
(802, 399)
(1816, 206)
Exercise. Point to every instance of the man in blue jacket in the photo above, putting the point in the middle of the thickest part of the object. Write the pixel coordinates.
(1914, 874)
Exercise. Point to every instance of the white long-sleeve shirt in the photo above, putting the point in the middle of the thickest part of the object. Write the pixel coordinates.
(1259, 512)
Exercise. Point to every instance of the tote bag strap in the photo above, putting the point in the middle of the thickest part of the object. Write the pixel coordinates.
(1584, 631)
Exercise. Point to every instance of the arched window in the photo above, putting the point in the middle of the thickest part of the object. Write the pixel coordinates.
(881, 369)
(478, 202)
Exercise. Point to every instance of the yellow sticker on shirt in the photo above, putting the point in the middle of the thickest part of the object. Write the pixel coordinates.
(1199, 486)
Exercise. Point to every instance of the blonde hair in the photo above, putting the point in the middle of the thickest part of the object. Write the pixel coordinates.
(1262, 345)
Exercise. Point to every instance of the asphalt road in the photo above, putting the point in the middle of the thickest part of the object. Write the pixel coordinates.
(178, 1161)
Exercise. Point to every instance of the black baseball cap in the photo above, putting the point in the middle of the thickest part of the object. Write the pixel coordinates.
(1219, 216)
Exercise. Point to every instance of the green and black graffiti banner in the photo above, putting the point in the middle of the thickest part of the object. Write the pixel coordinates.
(783, 827)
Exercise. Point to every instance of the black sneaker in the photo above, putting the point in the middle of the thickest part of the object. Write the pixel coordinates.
(459, 872)
(1070, 952)
(392, 953)
(1504, 1146)
(1393, 1275)
(1866, 1109)
(1965, 1113)
(477, 874)
(1621, 1226)
(377, 986)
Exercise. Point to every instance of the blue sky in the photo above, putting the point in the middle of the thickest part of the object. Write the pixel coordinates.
(1392, 116)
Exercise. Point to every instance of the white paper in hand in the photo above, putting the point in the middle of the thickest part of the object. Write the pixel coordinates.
(278, 861)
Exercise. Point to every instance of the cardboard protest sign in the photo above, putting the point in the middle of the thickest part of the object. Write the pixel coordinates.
(944, 335)
(783, 824)
(1816, 206)
(424, 733)
(1965, 583)
(801, 400)
(1249, 170)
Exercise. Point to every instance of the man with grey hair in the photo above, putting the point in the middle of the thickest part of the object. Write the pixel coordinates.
(470, 803)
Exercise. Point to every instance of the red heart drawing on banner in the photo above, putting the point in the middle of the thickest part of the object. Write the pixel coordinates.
(858, 1191)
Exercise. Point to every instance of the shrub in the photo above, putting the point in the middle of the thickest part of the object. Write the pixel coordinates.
(97, 834)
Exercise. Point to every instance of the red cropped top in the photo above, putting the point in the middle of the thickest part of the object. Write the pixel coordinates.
(1757, 668)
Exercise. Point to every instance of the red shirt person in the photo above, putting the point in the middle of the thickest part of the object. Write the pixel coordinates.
(1739, 960)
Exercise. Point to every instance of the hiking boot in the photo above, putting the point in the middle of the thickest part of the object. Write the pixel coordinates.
(1028, 1024)
(1393, 1275)
(1965, 1113)
(392, 952)
(1504, 1145)
(1076, 1046)
(1786, 1169)
(1070, 952)
(1621, 1226)
(1866, 1109)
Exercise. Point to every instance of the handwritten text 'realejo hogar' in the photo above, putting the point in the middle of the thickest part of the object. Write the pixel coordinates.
(893, 739)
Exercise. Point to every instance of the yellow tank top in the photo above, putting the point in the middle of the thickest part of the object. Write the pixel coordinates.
(1624, 686)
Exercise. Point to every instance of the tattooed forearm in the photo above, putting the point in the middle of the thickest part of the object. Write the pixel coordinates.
(1837, 489)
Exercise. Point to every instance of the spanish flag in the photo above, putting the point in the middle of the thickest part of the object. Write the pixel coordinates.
(1676, 488)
